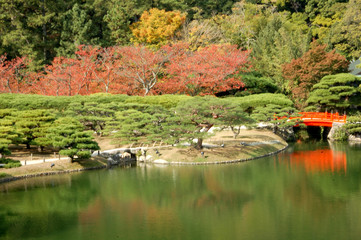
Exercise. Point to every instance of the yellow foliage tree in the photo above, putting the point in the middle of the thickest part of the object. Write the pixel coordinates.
(157, 27)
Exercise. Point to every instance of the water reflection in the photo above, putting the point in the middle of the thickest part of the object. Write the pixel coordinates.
(303, 193)
(321, 160)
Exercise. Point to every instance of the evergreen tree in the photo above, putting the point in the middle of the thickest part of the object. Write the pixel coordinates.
(7, 132)
(92, 115)
(278, 42)
(340, 92)
(346, 34)
(68, 135)
(131, 126)
(33, 126)
(76, 31)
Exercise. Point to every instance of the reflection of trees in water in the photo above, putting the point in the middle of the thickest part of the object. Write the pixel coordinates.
(42, 206)
(17, 225)
(199, 202)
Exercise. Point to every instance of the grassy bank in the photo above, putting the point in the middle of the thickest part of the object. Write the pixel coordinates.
(249, 144)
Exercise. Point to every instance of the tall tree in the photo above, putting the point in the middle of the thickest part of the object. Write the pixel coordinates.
(157, 27)
(28, 28)
(278, 42)
(346, 34)
(76, 31)
(141, 66)
(119, 18)
(206, 71)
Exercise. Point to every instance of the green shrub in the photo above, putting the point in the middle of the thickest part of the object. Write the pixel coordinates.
(2, 175)
(9, 163)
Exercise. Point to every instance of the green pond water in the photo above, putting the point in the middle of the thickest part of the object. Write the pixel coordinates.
(310, 191)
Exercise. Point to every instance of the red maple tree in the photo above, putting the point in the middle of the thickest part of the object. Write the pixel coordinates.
(304, 72)
(14, 77)
(205, 72)
(141, 67)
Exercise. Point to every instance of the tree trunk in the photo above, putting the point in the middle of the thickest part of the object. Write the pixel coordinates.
(199, 143)
(27, 146)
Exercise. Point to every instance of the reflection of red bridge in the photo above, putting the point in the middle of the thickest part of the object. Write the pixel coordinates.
(320, 160)
(320, 118)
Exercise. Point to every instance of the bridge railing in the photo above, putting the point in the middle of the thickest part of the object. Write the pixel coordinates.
(323, 116)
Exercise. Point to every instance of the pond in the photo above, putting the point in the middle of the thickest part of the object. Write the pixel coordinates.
(310, 191)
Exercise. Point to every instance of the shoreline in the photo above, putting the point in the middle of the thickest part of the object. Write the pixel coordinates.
(40, 174)
(226, 162)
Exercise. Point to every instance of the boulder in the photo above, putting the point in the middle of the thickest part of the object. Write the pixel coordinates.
(161, 161)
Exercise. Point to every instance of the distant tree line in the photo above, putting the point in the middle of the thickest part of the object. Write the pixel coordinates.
(178, 47)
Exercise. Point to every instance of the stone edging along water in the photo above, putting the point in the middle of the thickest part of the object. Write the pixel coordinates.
(225, 162)
(10, 179)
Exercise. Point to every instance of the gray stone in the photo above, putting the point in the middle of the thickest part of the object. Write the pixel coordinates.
(335, 127)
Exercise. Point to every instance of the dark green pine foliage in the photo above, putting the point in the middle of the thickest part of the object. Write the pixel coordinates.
(131, 126)
(68, 135)
(255, 83)
(33, 126)
(92, 115)
(340, 92)
(278, 118)
(273, 110)
(119, 17)
(353, 125)
(7, 132)
(249, 103)
(234, 117)
(31, 28)
(140, 123)
(76, 30)
(197, 116)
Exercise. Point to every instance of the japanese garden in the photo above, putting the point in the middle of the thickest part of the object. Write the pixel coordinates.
(199, 119)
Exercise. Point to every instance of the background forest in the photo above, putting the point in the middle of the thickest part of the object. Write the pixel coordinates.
(207, 47)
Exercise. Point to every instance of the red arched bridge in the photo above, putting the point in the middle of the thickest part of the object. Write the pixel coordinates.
(324, 119)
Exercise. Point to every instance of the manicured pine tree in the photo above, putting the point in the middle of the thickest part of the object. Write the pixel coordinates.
(202, 113)
(340, 92)
(131, 126)
(234, 117)
(7, 132)
(69, 136)
(92, 115)
(33, 126)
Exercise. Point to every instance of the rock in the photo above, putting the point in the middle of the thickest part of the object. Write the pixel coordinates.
(161, 161)
(353, 138)
(335, 127)
(96, 153)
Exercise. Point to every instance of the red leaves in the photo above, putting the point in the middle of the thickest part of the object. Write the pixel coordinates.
(130, 70)
(308, 70)
(14, 77)
(204, 72)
